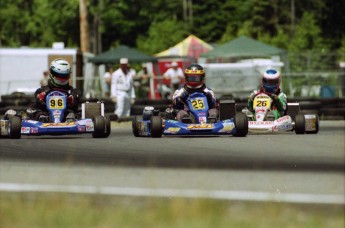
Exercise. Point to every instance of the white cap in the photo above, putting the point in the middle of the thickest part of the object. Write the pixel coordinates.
(123, 61)
(174, 64)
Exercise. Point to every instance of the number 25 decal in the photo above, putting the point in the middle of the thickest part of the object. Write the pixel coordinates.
(198, 104)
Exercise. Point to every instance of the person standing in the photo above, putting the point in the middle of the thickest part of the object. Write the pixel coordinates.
(122, 91)
(107, 79)
(175, 74)
(143, 77)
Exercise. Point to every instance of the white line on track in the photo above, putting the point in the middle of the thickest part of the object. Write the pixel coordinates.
(190, 193)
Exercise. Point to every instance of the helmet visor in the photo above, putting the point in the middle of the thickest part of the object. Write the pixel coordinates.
(270, 82)
(61, 76)
(194, 78)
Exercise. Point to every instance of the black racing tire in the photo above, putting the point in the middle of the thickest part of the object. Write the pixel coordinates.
(99, 127)
(317, 121)
(107, 127)
(299, 124)
(14, 127)
(241, 124)
(156, 127)
(135, 126)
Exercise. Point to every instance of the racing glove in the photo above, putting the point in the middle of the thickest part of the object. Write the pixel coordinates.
(70, 100)
(276, 102)
(40, 97)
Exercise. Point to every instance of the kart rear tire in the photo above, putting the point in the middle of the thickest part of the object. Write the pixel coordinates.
(14, 127)
(299, 124)
(135, 126)
(99, 127)
(241, 124)
(107, 126)
(156, 127)
(317, 121)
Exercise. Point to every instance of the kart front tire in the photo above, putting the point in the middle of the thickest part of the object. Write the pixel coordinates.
(99, 127)
(156, 127)
(241, 124)
(299, 124)
(14, 127)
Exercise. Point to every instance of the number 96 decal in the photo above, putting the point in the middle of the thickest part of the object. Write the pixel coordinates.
(56, 103)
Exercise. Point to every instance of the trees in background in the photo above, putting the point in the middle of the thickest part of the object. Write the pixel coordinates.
(154, 25)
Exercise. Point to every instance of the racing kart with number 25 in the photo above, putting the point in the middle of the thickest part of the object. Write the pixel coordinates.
(152, 124)
(263, 121)
(92, 120)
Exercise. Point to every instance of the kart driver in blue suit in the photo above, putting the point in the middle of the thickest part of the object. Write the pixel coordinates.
(194, 82)
(59, 75)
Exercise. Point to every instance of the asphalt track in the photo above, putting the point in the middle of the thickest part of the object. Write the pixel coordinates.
(287, 151)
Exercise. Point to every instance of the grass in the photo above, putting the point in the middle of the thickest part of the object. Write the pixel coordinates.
(72, 210)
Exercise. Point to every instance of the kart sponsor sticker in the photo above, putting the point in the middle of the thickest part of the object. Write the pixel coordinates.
(227, 127)
(202, 119)
(25, 130)
(81, 128)
(89, 126)
(172, 130)
(65, 124)
(281, 119)
(34, 130)
(260, 122)
(200, 126)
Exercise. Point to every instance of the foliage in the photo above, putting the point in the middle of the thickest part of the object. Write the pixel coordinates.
(154, 25)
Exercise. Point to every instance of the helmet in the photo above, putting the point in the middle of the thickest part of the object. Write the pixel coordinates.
(271, 80)
(194, 75)
(60, 71)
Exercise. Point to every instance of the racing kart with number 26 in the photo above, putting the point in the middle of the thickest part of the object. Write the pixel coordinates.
(262, 119)
(152, 124)
(92, 120)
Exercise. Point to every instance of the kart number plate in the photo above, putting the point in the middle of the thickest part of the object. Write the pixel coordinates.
(198, 104)
(56, 103)
(262, 101)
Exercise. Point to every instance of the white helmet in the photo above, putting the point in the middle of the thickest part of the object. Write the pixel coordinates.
(60, 72)
(271, 80)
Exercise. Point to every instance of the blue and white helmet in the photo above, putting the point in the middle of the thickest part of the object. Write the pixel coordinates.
(271, 80)
(60, 71)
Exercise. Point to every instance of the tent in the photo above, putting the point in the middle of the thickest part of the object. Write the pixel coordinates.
(243, 47)
(192, 46)
(114, 55)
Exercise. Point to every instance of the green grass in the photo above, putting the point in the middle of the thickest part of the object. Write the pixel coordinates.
(72, 210)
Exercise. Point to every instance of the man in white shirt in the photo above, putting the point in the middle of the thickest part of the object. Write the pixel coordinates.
(122, 91)
(175, 74)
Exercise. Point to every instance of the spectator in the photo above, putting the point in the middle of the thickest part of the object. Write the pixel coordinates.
(122, 91)
(107, 79)
(143, 78)
(174, 74)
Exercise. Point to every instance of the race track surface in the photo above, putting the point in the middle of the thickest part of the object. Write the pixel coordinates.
(286, 151)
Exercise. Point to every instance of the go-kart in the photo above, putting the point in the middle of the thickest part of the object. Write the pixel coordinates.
(92, 120)
(152, 124)
(262, 119)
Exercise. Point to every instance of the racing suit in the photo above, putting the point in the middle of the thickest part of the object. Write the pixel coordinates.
(39, 107)
(180, 98)
(279, 104)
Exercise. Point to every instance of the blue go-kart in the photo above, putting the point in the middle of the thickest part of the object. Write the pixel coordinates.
(92, 120)
(154, 124)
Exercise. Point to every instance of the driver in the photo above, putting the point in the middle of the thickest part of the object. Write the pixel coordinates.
(270, 84)
(59, 75)
(195, 82)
